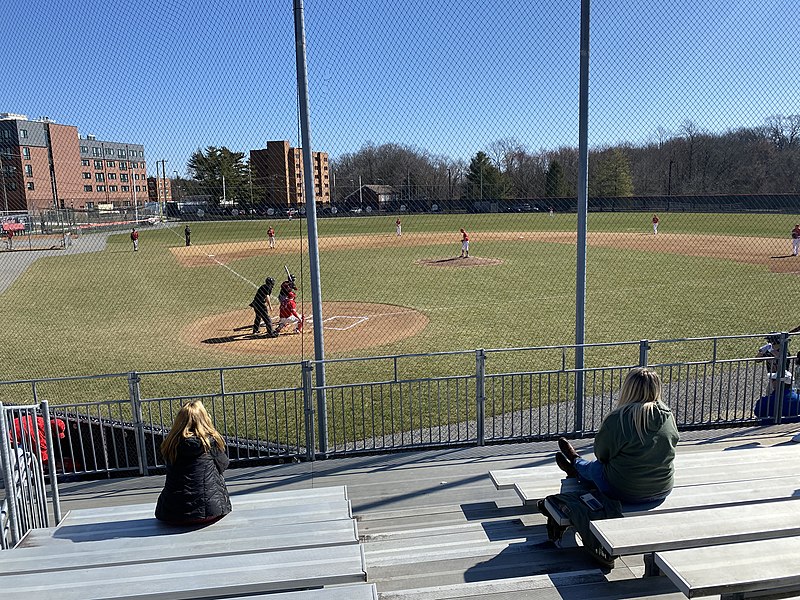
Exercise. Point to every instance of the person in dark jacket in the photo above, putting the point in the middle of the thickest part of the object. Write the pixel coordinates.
(194, 451)
(262, 305)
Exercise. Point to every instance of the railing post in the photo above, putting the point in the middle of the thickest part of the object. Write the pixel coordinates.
(51, 468)
(8, 478)
(322, 419)
(780, 370)
(308, 409)
(480, 394)
(644, 347)
(138, 422)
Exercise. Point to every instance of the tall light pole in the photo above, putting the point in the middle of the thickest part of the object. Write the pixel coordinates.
(360, 194)
(158, 193)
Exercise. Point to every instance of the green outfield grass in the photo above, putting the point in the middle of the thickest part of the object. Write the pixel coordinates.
(117, 311)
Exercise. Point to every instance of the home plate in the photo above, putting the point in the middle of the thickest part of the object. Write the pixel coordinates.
(343, 323)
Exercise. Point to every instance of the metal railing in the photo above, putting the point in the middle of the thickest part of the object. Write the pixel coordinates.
(26, 445)
(274, 412)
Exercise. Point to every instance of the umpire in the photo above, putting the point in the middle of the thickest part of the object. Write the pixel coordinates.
(262, 305)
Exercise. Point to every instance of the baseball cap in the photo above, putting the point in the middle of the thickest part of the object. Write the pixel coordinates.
(787, 376)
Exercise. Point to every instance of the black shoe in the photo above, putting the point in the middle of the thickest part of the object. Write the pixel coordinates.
(567, 449)
(274, 334)
(565, 465)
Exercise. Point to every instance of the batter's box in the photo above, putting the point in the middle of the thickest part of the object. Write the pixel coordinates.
(343, 323)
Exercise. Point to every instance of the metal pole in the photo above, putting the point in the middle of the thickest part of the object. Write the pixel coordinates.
(164, 180)
(3, 183)
(360, 194)
(158, 193)
(583, 208)
(480, 395)
(311, 217)
(51, 467)
(8, 477)
(134, 394)
(308, 409)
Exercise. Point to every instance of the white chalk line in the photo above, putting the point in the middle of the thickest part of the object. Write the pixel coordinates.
(212, 257)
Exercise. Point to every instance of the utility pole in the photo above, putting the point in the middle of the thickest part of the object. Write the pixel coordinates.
(3, 183)
(164, 180)
(360, 194)
(158, 194)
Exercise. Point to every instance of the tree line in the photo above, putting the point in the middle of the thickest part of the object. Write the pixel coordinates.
(748, 160)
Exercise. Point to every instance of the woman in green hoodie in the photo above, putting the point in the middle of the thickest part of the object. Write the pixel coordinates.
(635, 446)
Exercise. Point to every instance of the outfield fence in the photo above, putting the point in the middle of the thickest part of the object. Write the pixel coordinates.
(400, 402)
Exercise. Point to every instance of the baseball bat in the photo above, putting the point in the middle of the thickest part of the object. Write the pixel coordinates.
(288, 275)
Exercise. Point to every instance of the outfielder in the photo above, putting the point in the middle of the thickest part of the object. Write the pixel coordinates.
(795, 239)
(398, 228)
(655, 224)
(271, 236)
(464, 244)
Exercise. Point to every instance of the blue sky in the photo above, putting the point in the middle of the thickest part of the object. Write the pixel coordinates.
(447, 76)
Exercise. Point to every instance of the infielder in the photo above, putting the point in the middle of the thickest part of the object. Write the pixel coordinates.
(795, 239)
(271, 236)
(655, 224)
(464, 244)
(398, 228)
(261, 305)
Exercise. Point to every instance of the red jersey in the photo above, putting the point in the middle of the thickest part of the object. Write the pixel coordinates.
(397, 222)
(655, 219)
(271, 232)
(464, 236)
(796, 232)
(134, 235)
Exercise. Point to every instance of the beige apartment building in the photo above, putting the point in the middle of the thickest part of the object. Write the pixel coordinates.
(46, 165)
(277, 175)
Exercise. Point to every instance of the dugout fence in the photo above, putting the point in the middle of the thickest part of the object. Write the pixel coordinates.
(276, 413)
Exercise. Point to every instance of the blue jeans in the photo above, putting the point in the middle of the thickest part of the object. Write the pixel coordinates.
(592, 471)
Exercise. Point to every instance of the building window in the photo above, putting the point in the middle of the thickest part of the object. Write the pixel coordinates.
(136, 176)
(123, 177)
(85, 162)
(28, 170)
(126, 188)
(23, 133)
(84, 149)
(121, 153)
(99, 177)
(96, 151)
(26, 153)
(123, 166)
(112, 175)
(110, 163)
(87, 175)
(134, 165)
(29, 185)
(98, 164)
(87, 188)
(109, 152)
(137, 189)
(141, 153)
(112, 188)
(126, 202)
(101, 188)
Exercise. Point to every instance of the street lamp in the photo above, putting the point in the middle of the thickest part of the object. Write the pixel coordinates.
(3, 183)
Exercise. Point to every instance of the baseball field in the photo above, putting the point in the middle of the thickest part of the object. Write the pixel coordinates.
(169, 306)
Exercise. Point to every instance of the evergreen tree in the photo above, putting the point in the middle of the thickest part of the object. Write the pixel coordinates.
(212, 166)
(484, 180)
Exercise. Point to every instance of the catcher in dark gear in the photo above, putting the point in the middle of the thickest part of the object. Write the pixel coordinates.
(261, 305)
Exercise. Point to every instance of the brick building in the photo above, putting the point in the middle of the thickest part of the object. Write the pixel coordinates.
(159, 189)
(48, 165)
(277, 175)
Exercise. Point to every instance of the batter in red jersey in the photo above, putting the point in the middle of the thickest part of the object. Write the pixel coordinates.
(288, 314)
(464, 244)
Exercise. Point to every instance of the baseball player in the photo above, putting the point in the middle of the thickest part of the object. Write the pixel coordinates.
(135, 239)
(795, 239)
(464, 244)
(288, 314)
(398, 228)
(271, 236)
(286, 287)
(261, 305)
(655, 224)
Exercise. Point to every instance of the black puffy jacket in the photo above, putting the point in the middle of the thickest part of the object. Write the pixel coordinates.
(195, 487)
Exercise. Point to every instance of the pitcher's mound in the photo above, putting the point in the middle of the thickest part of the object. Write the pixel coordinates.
(457, 261)
(346, 326)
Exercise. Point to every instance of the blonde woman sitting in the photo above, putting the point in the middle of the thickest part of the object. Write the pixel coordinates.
(194, 451)
(635, 446)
